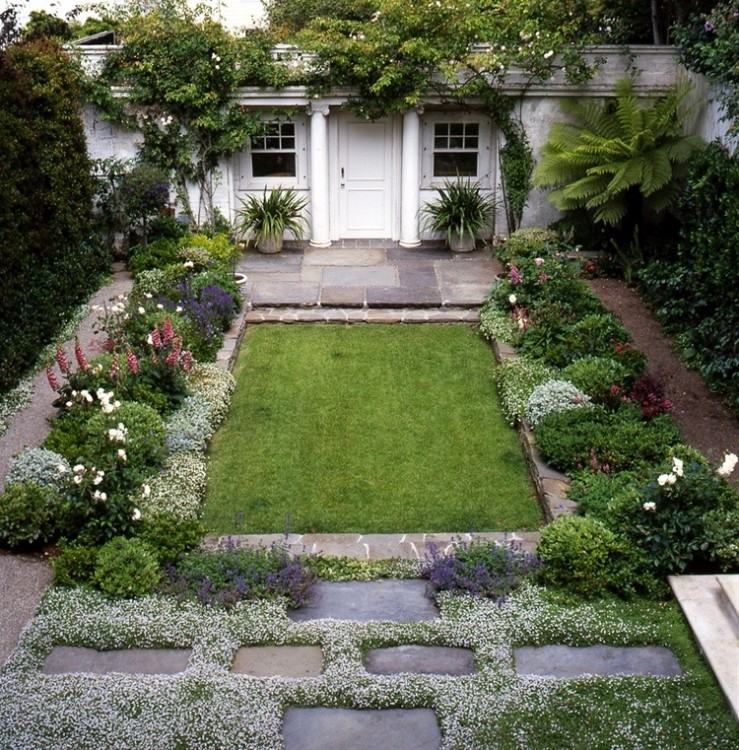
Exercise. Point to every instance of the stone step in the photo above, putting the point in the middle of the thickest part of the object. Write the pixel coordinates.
(730, 597)
(385, 315)
(703, 602)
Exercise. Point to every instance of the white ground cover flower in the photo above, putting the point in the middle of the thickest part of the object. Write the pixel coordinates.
(40, 466)
(208, 707)
(214, 385)
(190, 428)
(179, 488)
(497, 325)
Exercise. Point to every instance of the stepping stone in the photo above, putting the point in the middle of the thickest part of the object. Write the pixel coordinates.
(278, 661)
(420, 660)
(359, 276)
(71, 659)
(568, 662)
(349, 729)
(363, 601)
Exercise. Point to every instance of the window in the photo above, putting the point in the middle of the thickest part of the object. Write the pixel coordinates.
(273, 151)
(456, 149)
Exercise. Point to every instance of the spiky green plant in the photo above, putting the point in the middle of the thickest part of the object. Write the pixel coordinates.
(620, 156)
(269, 216)
(461, 209)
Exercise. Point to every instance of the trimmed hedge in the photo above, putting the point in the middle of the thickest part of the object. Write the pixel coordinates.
(49, 263)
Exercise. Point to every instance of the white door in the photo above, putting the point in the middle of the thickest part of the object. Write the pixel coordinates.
(365, 179)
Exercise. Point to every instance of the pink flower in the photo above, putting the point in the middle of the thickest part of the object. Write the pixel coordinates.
(53, 382)
(539, 261)
(516, 277)
(80, 355)
(61, 360)
(132, 362)
(156, 339)
(187, 362)
(167, 331)
(543, 277)
(115, 368)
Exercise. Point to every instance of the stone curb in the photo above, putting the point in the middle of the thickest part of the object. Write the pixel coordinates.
(551, 486)
(361, 315)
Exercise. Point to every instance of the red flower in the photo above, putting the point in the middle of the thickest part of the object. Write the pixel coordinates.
(115, 368)
(167, 331)
(156, 339)
(132, 362)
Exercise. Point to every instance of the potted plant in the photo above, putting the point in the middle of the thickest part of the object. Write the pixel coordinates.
(266, 218)
(459, 213)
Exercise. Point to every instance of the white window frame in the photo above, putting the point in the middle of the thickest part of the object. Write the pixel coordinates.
(246, 178)
(485, 167)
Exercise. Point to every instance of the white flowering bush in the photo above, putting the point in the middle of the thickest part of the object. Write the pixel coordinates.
(553, 396)
(214, 385)
(179, 488)
(208, 707)
(42, 467)
(190, 427)
(516, 380)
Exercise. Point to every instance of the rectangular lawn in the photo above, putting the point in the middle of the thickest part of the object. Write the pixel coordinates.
(366, 428)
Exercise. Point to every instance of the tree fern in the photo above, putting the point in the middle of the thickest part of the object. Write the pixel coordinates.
(619, 156)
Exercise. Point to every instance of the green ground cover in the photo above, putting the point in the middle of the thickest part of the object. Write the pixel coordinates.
(366, 429)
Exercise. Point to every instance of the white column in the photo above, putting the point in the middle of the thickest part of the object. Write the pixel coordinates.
(410, 179)
(319, 177)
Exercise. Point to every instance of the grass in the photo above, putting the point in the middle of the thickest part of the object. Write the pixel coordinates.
(372, 429)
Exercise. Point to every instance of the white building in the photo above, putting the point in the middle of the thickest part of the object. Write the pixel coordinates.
(369, 179)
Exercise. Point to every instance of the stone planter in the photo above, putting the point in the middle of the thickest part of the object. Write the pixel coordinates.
(464, 243)
(269, 247)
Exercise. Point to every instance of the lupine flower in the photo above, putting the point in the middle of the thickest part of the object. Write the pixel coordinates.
(115, 368)
(80, 355)
(516, 277)
(156, 339)
(187, 361)
(51, 377)
(61, 360)
(167, 332)
(132, 362)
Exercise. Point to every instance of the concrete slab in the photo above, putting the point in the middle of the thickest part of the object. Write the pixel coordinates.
(568, 662)
(702, 601)
(289, 293)
(360, 276)
(71, 659)
(427, 251)
(422, 273)
(352, 729)
(278, 661)
(413, 659)
(355, 256)
(730, 591)
(464, 295)
(403, 296)
(364, 601)
(342, 296)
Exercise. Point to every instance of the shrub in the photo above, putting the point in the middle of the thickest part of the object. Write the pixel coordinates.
(28, 514)
(225, 577)
(594, 335)
(593, 491)
(602, 378)
(126, 568)
(74, 565)
(605, 441)
(219, 247)
(551, 397)
(667, 519)
(482, 568)
(527, 243)
(41, 466)
(721, 538)
(170, 537)
(581, 555)
(157, 254)
(195, 258)
(516, 379)
(649, 396)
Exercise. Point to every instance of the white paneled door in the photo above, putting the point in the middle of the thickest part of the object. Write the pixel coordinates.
(365, 178)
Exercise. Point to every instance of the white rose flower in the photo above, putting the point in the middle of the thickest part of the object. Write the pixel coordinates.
(651, 507)
(664, 479)
(513, 299)
(729, 464)
(677, 466)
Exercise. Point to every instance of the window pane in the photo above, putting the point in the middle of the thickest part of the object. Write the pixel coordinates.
(441, 129)
(273, 165)
(456, 128)
(441, 142)
(470, 141)
(456, 142)
(453, 164)
(273, 142)
(472, 128)
(287, 128)
(288, 144)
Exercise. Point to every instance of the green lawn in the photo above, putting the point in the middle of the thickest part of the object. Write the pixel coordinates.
(366, 428)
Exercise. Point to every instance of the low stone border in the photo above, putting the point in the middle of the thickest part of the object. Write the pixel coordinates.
(551, 486)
